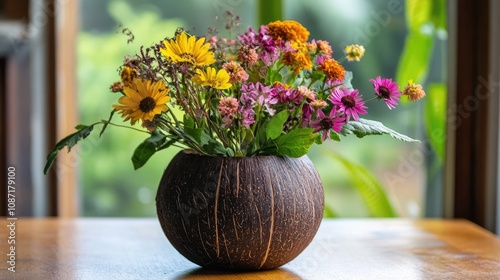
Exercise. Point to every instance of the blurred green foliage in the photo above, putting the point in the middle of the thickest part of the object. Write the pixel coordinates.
(110, 187)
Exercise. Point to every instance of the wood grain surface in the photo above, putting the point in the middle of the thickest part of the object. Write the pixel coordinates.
(342, 249)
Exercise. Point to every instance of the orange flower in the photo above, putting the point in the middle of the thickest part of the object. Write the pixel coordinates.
(288, 30)
(333, 70)
(414, 91)
(297, 61)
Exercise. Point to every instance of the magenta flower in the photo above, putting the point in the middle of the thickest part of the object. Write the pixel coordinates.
(388, 90)
(325, 124)
(307, 112)
(348, 102)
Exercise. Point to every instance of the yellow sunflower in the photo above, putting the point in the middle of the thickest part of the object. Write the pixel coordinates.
(143, 100)
(188, 50)
(212, 78)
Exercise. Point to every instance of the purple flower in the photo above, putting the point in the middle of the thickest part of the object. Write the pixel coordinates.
(388, 90)
(248, 38)
(307, 112)
(325, 123)
(285, 94)
(348, 102)
(248, 117)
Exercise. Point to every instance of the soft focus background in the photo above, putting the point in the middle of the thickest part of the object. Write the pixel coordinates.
(109, 186)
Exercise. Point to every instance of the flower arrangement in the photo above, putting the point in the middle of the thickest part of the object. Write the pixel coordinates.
(269, 91)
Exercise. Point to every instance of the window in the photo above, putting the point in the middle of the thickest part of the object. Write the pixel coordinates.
(471, 183)
(112, 189)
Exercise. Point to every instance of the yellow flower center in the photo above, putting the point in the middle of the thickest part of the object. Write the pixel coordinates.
(189, 57)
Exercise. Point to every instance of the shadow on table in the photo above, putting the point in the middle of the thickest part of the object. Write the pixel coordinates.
(200, 273)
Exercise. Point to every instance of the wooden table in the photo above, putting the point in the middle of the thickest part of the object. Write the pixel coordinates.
(342, 249)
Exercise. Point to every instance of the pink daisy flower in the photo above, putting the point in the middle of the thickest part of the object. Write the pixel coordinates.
(325, 123)
(348, 102)
(388, 90)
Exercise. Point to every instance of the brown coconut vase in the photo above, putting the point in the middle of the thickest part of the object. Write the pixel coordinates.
(240, 213)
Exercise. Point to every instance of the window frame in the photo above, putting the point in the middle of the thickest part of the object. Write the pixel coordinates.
(472, 115)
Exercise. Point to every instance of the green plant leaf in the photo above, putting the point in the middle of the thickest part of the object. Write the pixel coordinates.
(439, 16)
(146, 149)
(69, 141)
(275, 125)
(328, 212)
(216, 148)
(365, 127)
(370, 190)
(107, 122)
(347, 80)
(414, 61)
(270, 11)
(295, 143)
(418, 13)
(194, 133)
(435, 117)
(188, 121)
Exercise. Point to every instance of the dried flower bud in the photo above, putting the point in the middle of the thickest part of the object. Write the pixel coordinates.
(324, 47)
(228, 106)
(414, 91)
(116, 87)
(128, 75)
(319, 104)
(150, 125)
(307, 93)
(248, 55)
(354, 52)
(235, 71)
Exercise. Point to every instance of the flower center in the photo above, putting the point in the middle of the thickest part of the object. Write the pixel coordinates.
(326, 123)
(348, 101)
(188, 57)
(384, 92)
(147, 104)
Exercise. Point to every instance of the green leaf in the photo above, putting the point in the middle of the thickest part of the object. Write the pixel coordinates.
(295, 143)
(214, 147)
(317, 74)
(414, 61)
(418, 13)
(80, 126)
(347, 80)
(194, 133)
(439, 16)
(270, 11)
(275, 126)
(188, 121)
(328, 212)
(365, 127)
(106, 123)
(371, 191)
(69, 141)
(334, 136)
(435, 117)
(146, 149)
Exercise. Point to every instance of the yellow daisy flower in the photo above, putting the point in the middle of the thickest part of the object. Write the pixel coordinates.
(188, 50)
(143, 100)
(354, 52)
(212, 78)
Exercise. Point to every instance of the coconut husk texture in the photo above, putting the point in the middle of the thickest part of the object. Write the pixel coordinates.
(231, 213)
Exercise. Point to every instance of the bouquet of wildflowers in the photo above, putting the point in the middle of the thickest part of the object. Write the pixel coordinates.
(269, 91)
